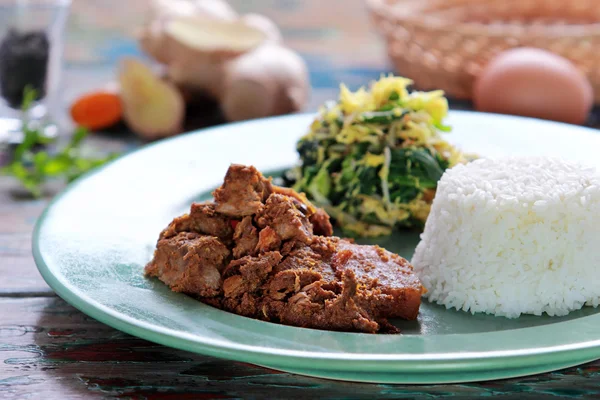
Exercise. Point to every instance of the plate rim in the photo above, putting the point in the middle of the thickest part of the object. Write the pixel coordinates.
(432, 362)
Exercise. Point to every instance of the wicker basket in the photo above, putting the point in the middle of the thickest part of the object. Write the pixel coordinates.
(443, 44)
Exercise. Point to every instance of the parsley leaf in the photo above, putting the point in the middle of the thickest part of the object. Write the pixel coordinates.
(34, 168)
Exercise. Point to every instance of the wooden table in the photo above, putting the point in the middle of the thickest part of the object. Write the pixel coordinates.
(50, 350)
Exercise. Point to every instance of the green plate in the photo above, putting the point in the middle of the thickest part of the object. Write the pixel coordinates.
(93, 241)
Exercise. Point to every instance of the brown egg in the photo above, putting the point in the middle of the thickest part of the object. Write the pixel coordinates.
(534, 83)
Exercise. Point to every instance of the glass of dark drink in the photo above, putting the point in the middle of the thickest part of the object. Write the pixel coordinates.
(31, 53)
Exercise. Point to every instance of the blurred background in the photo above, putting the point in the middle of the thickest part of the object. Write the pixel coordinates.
(334, 37)
(127, 72)
(89, 39)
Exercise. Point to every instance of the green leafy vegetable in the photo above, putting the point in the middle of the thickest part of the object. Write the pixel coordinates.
(416, 162)
(34, 168)
(373, 158)
(320, 186)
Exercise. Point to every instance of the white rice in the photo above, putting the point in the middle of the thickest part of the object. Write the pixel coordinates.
(513, 236)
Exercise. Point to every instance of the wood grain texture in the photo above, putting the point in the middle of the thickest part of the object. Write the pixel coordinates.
(18, 274)
(50, 350)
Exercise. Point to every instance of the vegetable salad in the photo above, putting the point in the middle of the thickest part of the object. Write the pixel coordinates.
(373, 158)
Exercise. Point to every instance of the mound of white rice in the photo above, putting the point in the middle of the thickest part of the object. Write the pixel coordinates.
(513, 236)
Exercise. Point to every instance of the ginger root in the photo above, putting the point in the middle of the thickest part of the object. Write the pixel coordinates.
(153, 39)
(271, 80)
(152, 107)
(195, 48)
(240, 61)
(264, 24)
(218, 9)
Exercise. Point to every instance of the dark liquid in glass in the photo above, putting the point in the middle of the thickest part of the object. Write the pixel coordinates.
(23, 63)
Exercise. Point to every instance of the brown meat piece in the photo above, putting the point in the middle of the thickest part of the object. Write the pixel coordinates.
(201, 219)
(253, 269)
(190, 263)
(268, 240)
(390, 287)
(243, 192)
(331, 284)
(281, 214)
(306, 258)
(245, 238)
(242, 279)
(321, 223)
(387, 286)
(281, 270)
(299, 199)
(318, 308)
(289, 246)
(317, 216)
(290, 281)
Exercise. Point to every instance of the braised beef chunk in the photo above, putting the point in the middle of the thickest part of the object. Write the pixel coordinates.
(306, 257)
(337, 312)
(245, 237)
(257, 252)
(268, 240)
(390, 286)
(251, 272)
(243, 192)
(202, 219)
(282, 214)
(321, 224)
(291, 281)
(191, 263)
(317, 216)
(299, 199)
(324, 286)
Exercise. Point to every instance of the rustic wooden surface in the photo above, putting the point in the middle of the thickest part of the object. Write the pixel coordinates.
(49, 350)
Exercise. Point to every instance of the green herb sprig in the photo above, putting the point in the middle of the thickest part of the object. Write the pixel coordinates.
(34, 168)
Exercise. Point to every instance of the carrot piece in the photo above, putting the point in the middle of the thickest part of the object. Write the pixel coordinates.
(97, 110)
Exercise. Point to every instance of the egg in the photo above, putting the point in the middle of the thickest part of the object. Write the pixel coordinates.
(533, 83)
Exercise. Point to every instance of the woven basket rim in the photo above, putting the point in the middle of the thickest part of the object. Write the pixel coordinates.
(566, 31)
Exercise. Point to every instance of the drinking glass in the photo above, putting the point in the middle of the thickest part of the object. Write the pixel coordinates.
(31, 53)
